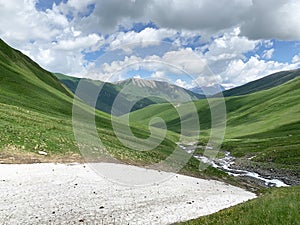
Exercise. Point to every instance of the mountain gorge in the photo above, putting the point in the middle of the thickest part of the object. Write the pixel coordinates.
(263, 126)
(36, 113)
(37, 117)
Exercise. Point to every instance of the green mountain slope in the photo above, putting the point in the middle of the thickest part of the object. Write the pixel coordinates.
(36, 115)
(107, 95)
(275, 206)
(36, 109)
(264, 83)
(137, 93)
(265, 124)
(24, 83)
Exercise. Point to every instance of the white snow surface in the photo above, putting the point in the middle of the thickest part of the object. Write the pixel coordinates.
(75, 194)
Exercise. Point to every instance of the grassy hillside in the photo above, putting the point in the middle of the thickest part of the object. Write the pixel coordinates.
(264, 83)
(24, 83)
(36, 115)
(107, 95)
(35, 108)
(265, 124)
(275, 206)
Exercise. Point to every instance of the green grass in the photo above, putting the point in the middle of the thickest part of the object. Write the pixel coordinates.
(265, 124)
(36, 114)
(275, 206)
(211, 153)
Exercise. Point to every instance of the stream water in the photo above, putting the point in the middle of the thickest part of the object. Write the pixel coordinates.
(225, 163)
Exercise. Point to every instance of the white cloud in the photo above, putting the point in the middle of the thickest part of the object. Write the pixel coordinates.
(182, 83)
(48, 37)
(79, 43)
(229, 46)
(178, 62)
(45, 56)
(258, 19)
(146, 37)
(59, 42)
(183, 62)
(80, 5)
(268, 43)
(159, 75)
(239, 72)
(296, 59)
(21, 22)
(267, 54)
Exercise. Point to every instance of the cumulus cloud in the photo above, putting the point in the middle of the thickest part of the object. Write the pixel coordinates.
(182, 83)
(161, 75)
(108, 15)
(48, 37)
(79, 43)
(178, 62)
(197, 14)
(296, 59)
(257, 19)
(230, 45)
(239, 72)
(271, 19)
(181, 63)
(21, 22)
(219, 33)
(146, 37)
(267, 54)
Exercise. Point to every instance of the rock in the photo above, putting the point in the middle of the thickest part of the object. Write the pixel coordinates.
(42, 153)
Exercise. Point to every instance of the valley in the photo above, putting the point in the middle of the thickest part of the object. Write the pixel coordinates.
(262, 131)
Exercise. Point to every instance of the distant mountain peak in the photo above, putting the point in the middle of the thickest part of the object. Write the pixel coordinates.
(139, 82)
(208, 90)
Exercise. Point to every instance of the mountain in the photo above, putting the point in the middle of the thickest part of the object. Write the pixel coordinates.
(264, 124)
(36, 109)
(134, 92)
(36, 115)
(160, 89)
(208, 90)
(25, 84)
(264, 83)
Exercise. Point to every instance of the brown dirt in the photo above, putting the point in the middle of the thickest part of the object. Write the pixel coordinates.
(14, 155)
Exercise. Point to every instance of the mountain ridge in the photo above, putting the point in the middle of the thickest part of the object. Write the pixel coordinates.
(133, 91)
(264, 83)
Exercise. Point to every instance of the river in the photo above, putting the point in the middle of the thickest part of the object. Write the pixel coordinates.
(225, 164)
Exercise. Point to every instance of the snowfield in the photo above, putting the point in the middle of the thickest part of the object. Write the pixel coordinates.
(75, 194)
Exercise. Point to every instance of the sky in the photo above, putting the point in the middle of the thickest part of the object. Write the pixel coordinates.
(189, 43)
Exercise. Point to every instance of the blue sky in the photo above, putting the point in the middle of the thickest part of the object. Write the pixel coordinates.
(115, 40)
